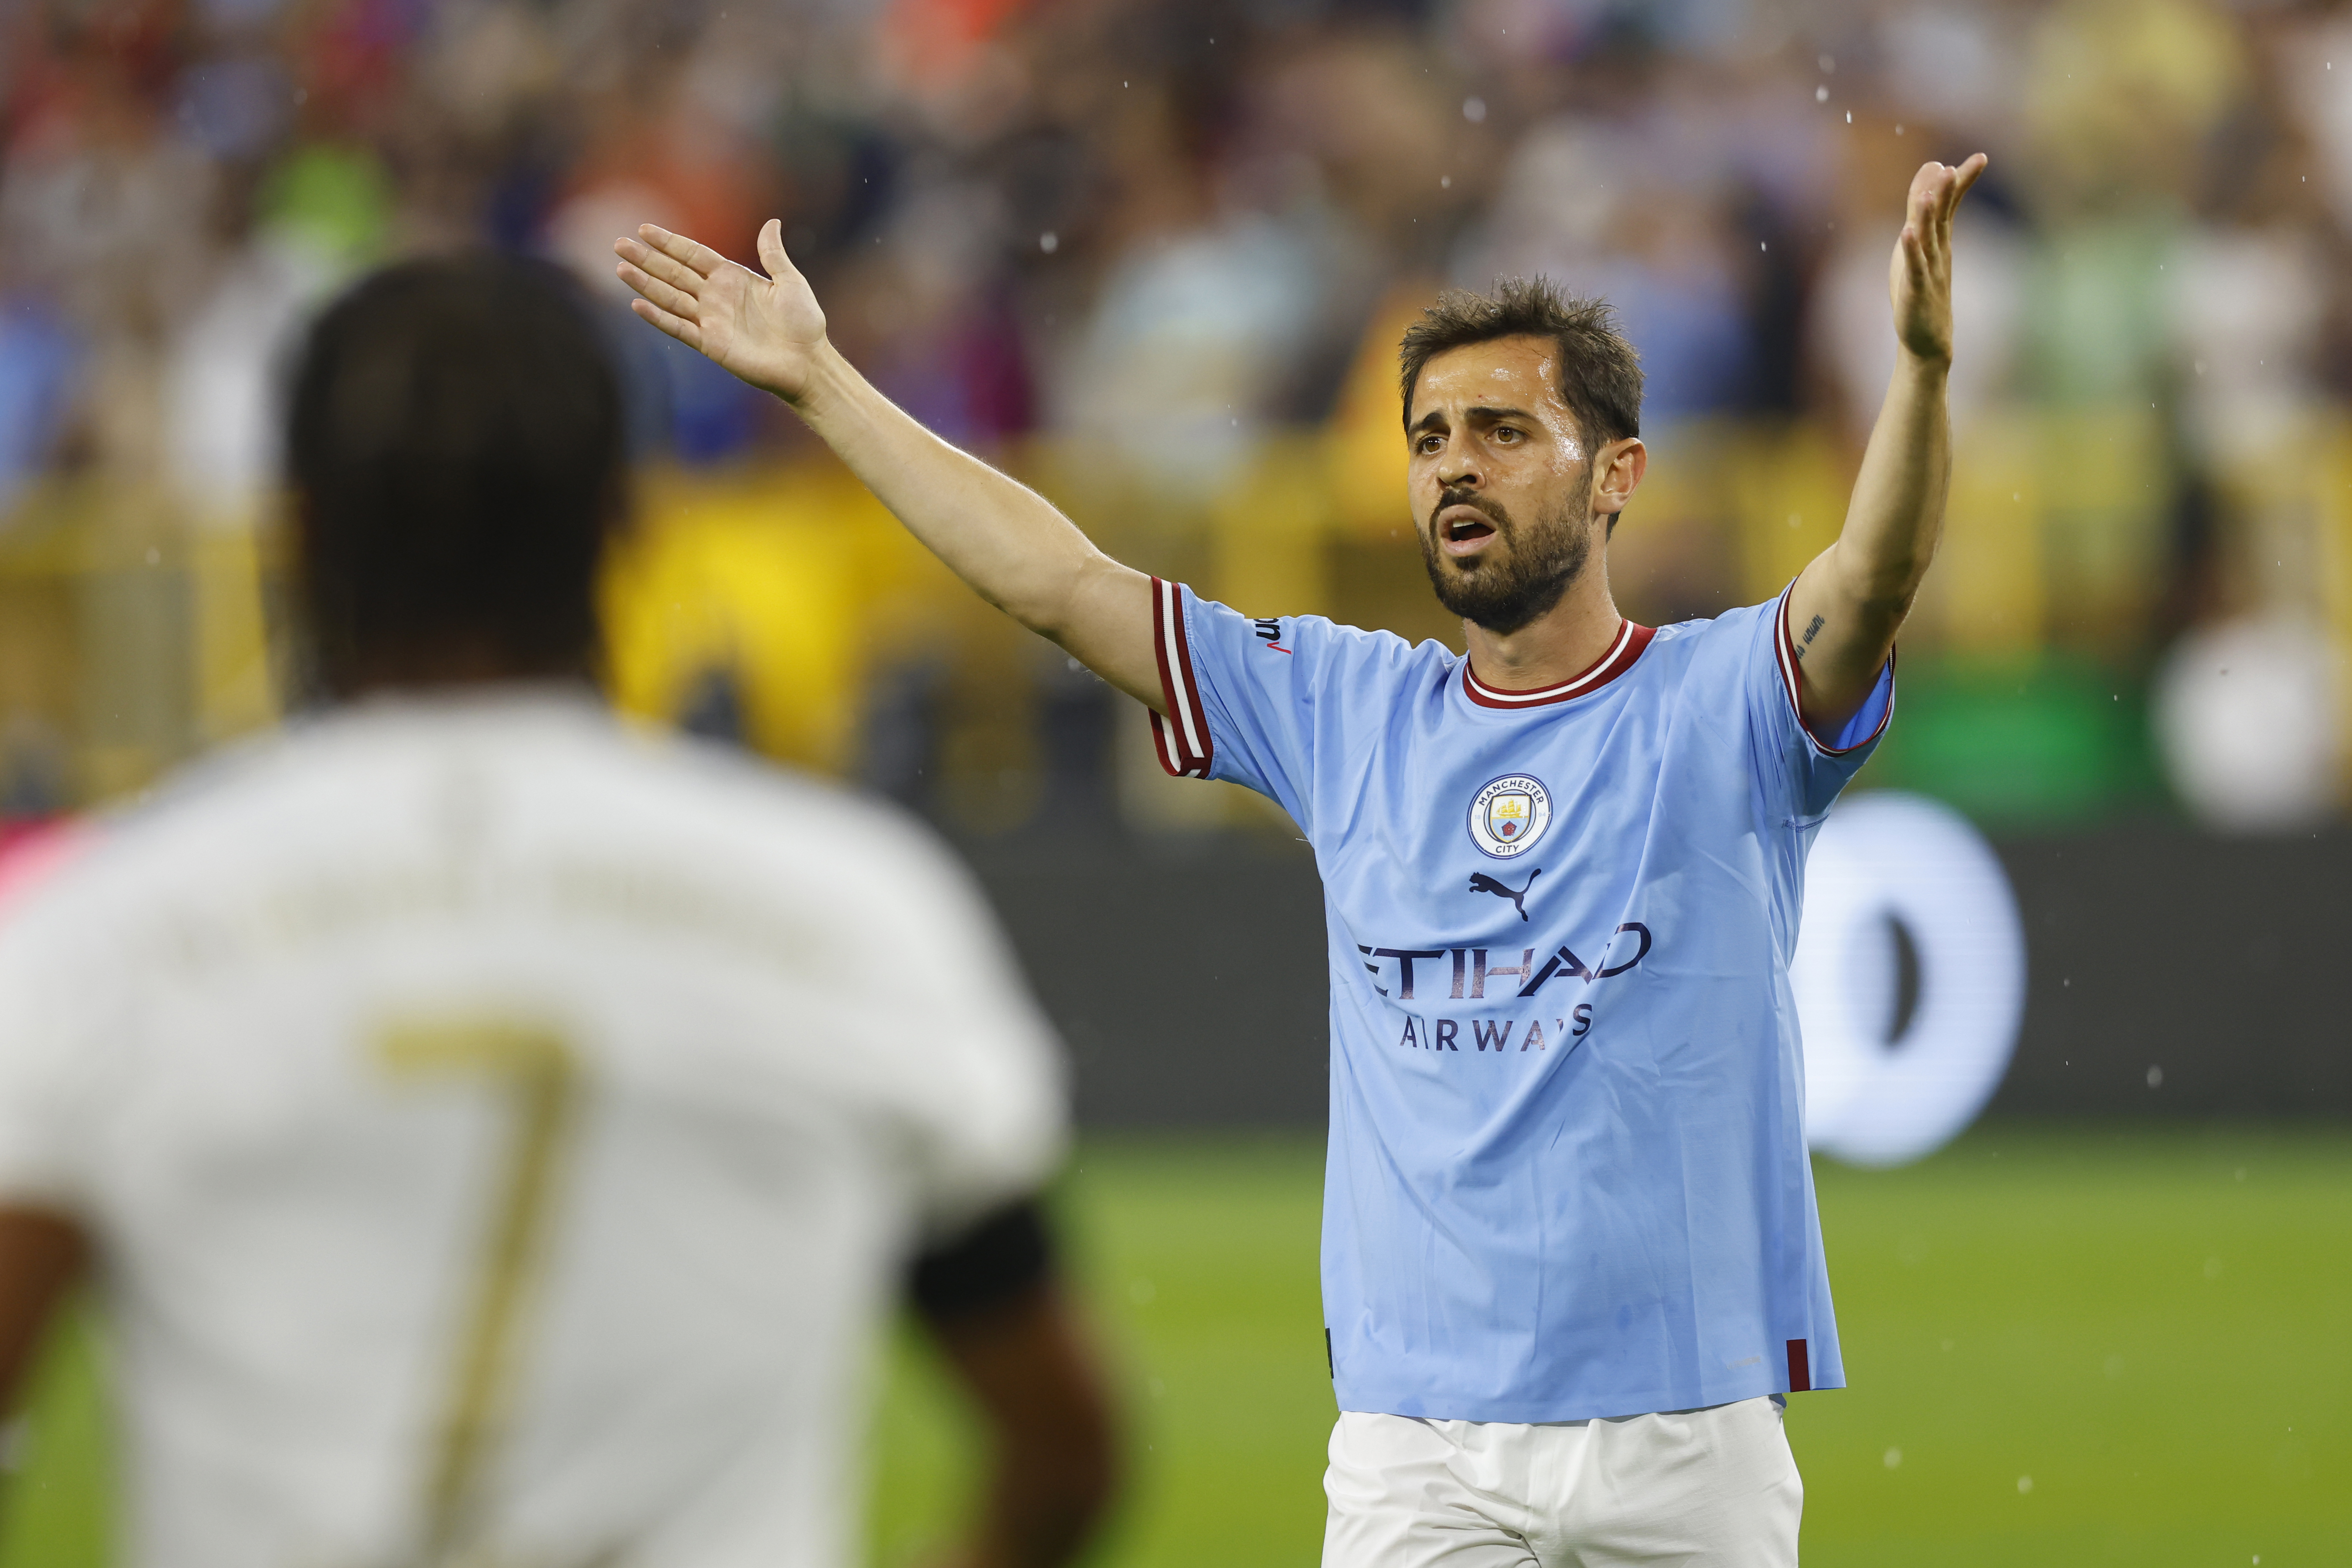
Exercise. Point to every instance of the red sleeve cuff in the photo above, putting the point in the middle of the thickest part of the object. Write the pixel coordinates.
(1182, 735)
(1784, 644)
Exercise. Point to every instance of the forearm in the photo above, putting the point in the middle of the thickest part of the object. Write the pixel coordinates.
(1845, 609)
(1008, 542)
(1896, 514)
(1053, 1441)
(42, 1254)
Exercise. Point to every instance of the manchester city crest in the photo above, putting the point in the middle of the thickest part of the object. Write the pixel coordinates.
(1509, 814)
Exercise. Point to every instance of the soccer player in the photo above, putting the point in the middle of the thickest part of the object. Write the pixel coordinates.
(1571, 1257)
(494, 1133)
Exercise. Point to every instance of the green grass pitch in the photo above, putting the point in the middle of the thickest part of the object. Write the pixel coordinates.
(2069, 1346)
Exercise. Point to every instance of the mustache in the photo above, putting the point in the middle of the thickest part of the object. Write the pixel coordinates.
(1475, 502)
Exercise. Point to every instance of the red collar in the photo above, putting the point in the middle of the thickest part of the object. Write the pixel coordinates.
(1627, 648)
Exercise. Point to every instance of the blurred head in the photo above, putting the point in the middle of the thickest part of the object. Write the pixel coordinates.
(1523, 410)
(455, 450)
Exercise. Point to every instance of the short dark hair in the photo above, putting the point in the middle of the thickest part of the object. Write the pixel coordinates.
(457, 442)
(1599, 373)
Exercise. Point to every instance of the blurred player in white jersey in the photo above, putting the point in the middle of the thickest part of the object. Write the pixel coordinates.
(494, 1135)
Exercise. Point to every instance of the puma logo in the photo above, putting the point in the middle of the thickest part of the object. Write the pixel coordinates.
(1482, 883)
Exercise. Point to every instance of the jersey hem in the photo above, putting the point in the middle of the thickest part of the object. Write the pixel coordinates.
(1784, 646)
(1181, 737)
(1631, 639)
(1609, 1407)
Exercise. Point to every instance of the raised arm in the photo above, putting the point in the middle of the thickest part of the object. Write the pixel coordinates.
(1850, 602)
(999, 536)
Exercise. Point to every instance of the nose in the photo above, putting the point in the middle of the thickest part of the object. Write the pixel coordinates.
(1455, 467)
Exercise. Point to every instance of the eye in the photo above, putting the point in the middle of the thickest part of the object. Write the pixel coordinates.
(1506, 434)
(1428, 444)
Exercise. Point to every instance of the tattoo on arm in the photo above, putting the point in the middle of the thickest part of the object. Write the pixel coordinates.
(1811, 633)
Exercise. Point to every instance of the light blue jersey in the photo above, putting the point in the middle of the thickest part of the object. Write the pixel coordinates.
(1566, 1174)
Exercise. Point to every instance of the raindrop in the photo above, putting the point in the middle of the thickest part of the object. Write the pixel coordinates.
(1474, 110)
(2212, 1269)
(1049, 242)
(2024, 1485)
(1894, 1458)
(1821, 94)
(1849, 117)
(1444, 181)
(1898, 130)
(1828, 65)
(2155, 1077)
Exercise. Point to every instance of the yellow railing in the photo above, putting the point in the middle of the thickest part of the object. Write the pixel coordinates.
(134, 632)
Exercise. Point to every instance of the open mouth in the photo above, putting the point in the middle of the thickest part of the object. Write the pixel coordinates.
(1463, 530)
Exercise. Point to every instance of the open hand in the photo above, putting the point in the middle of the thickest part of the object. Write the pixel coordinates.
(1921, 275)
(766, 329)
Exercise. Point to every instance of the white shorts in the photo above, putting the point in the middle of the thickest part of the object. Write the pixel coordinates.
(1694, 1489)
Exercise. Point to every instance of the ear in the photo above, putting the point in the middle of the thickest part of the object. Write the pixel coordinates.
(1617, 470)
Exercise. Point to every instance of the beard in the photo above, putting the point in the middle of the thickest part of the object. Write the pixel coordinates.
(1504, 589)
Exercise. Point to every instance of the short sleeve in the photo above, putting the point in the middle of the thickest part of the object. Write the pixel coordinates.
(1241, 694)
(981, 1088)
(1813, 767)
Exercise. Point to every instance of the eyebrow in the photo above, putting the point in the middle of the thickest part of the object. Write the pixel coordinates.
(1481, 411)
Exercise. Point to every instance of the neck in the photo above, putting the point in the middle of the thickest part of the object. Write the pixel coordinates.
(448, 665)
(1558, 645)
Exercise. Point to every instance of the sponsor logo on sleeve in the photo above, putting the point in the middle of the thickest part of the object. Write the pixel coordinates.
(1509, 814)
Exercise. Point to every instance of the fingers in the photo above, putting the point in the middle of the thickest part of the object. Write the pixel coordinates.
(671, 300)
(684, 331)
(1926, 189)
(1915, 258)
(1963, 177)
(1936, 189)
(700, 257)
(675, 273)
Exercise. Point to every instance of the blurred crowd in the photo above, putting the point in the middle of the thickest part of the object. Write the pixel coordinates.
(1154, 231)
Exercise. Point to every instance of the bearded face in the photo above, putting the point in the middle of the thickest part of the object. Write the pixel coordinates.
(1526, 567)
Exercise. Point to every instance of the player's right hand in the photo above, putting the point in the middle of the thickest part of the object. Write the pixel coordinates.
(768, 330)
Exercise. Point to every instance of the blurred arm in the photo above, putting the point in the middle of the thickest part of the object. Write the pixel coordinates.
(1847, 606)
(41, 1255)
(1005, 540)
(1054, 1455)
(991, 1303)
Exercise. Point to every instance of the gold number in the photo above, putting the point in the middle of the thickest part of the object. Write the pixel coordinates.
(541, 1082)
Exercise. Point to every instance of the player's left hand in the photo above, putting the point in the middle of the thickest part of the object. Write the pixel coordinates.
(1921, 275)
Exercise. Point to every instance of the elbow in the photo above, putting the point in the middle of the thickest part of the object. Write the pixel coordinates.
(1884, 589)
